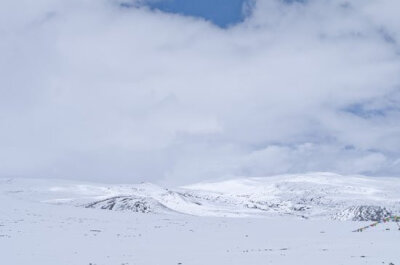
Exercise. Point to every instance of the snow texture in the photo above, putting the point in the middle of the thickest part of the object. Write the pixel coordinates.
(302, 219)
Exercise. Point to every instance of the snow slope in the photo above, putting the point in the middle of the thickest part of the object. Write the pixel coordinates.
(45, 222)
(316, 196)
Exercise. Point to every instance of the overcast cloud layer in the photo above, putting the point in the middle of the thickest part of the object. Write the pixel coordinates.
(91, 90)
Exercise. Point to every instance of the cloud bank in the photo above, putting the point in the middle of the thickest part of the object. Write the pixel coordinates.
(92, 90)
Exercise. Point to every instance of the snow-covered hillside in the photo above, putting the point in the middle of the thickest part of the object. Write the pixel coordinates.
(316, 195)
(47, 222)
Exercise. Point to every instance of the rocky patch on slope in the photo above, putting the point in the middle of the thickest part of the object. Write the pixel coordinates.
(364, 213)
(129, 203)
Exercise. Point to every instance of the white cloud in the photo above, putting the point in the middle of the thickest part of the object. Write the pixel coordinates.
(90, 90)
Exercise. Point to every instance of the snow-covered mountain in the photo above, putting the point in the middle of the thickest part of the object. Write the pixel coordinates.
(316, 195)
(53, 221)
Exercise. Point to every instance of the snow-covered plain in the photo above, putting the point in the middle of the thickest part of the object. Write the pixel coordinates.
(303, 219)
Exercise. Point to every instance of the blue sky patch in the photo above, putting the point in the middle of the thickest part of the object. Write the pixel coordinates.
(223, 13)
(364, 112)
(220, 12)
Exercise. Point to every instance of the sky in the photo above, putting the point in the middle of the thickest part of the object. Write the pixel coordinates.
(180, 92)
(223, 13)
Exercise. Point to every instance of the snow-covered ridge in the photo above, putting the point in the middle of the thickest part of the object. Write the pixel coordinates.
(316, 195)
